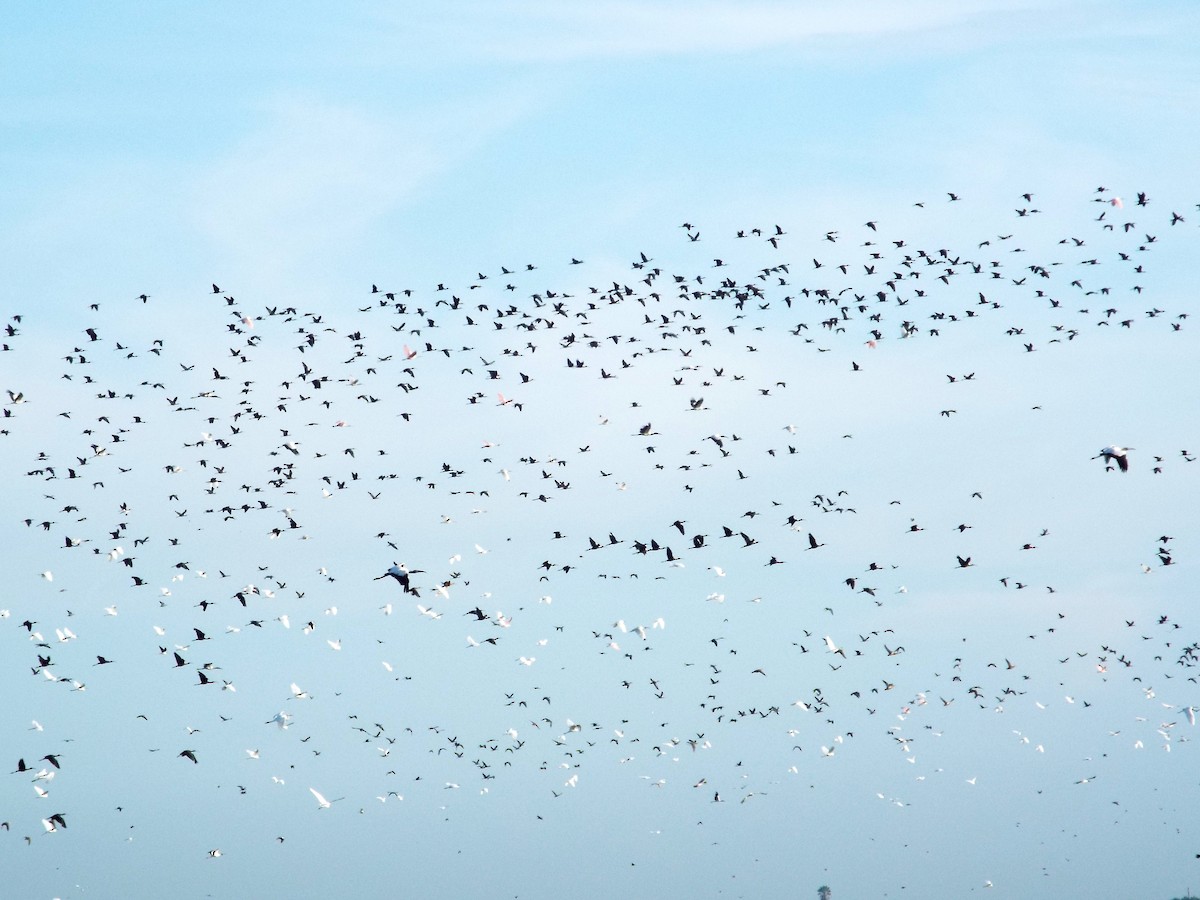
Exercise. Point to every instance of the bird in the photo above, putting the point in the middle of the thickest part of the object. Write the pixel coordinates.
(401, 574)
(1113, 453)
(321, 801)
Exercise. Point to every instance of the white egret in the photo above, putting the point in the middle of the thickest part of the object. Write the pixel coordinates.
(321, 801)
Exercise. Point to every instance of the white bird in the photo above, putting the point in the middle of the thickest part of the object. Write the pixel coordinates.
(298, 694)
(321, 801)
(1113, 453)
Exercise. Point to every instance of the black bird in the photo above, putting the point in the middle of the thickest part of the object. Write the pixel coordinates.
(401, 575)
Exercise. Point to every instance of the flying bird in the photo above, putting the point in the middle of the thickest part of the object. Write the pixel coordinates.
(321, 801)
(1115, 454)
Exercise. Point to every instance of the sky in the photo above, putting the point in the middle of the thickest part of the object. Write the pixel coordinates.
(501, 293)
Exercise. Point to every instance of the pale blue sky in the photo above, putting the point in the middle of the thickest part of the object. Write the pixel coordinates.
(295, 156)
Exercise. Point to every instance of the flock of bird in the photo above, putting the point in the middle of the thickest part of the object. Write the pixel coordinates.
(638, 531)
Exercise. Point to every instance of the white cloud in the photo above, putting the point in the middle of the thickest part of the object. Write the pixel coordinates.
(313, 176)
(318, 180)
(536, 31)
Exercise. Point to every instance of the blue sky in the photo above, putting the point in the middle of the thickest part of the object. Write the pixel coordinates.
(294, 157)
